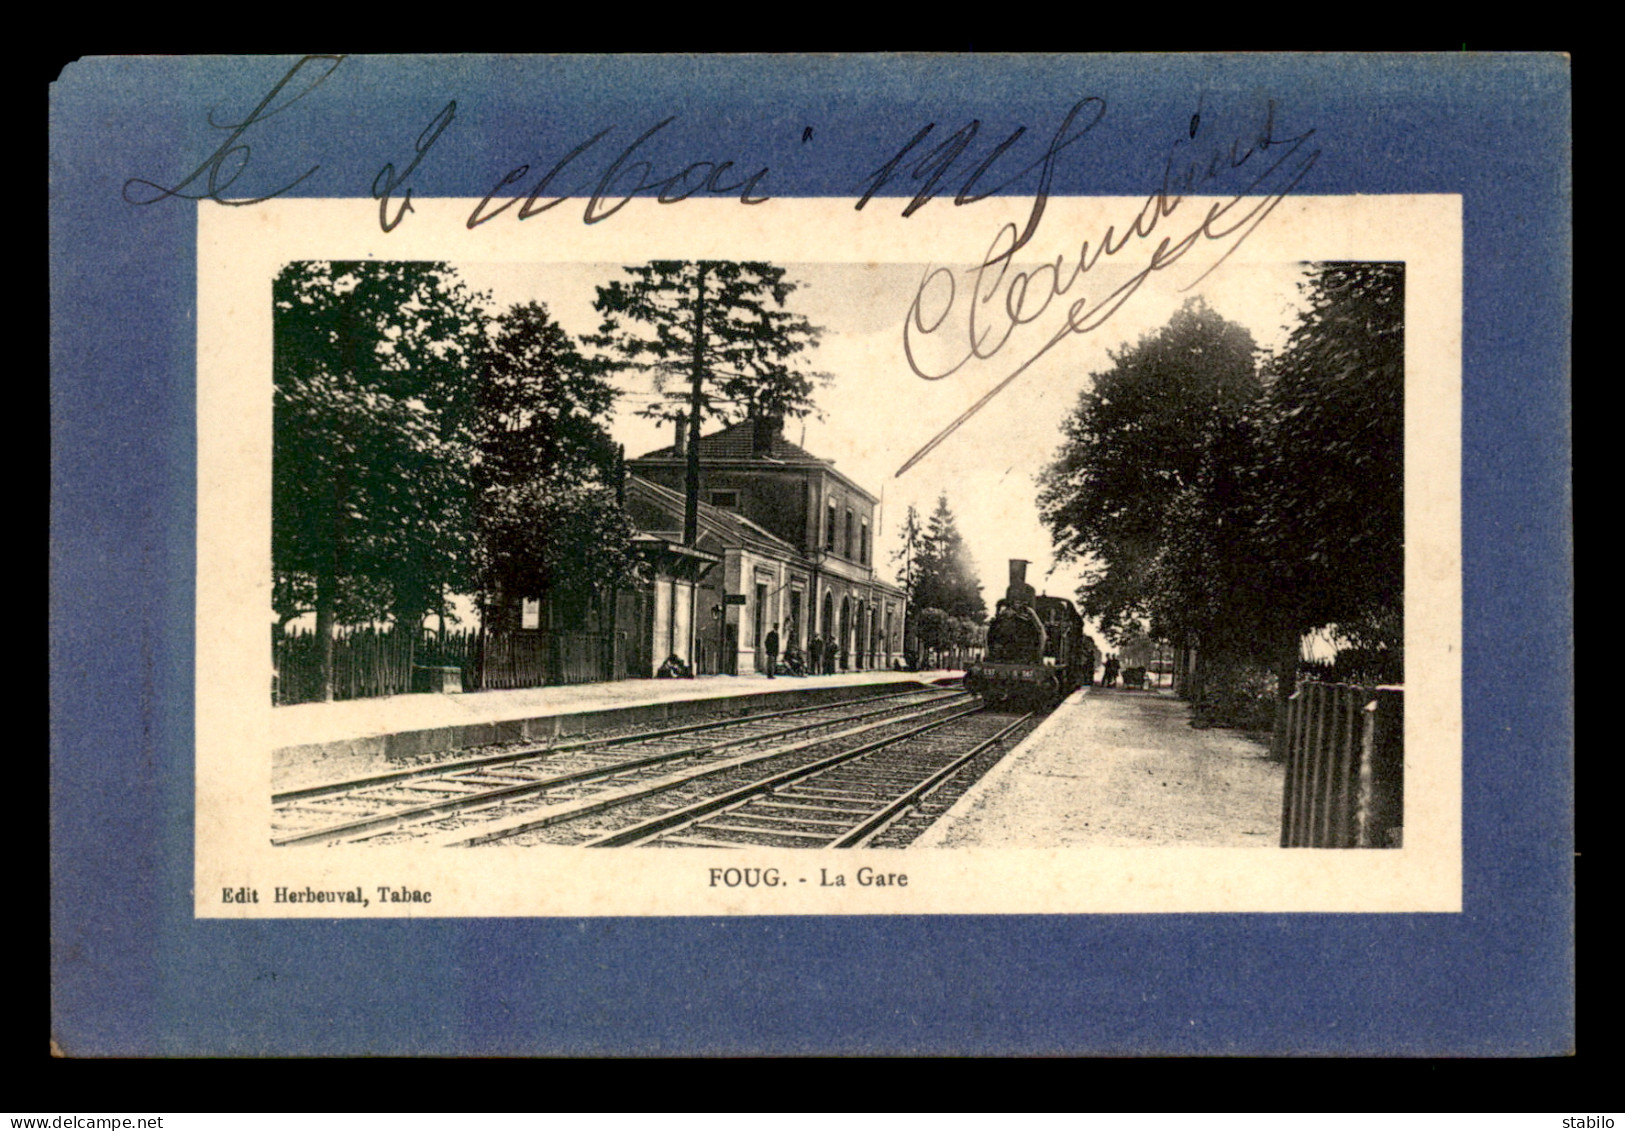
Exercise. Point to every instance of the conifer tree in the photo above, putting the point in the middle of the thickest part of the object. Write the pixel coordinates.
(947, 575)
(725, 329)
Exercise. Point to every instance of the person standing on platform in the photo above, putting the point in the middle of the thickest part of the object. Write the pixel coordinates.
(772, 646)
(816, 647)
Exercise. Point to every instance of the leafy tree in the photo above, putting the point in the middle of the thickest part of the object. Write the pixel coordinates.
(373, 440)
(1145, 489)
(1242, 510)
(946, 576)
(543, 408)
(933, 630)
(552, 536)
(966, 633)
(1332, 472)
(548, 515)
(724, 327)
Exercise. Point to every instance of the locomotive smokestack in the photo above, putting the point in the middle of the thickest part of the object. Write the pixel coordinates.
(1020, 594)
(682, 435)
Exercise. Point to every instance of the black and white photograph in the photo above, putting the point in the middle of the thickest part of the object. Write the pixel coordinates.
(942, 563)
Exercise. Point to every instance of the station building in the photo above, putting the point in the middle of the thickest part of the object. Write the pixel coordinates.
(794, 541)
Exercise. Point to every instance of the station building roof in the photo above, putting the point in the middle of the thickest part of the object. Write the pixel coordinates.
(739, 444)
(731, 528)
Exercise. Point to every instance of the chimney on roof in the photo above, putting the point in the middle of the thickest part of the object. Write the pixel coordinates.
(763, 430)
(682, 435)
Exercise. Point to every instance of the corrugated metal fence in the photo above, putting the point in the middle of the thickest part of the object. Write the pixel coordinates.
(1345, 766)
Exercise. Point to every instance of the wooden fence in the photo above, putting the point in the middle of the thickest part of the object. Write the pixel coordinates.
(370, 662)
(1345, 764)
(511, 660)
(533, 659)
(367, 662)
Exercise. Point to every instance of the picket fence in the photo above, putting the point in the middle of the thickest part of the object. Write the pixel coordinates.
(1345, 763)
(370, 662)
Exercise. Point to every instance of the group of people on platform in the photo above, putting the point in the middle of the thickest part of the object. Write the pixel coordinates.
(1132, 677)
(824, 656)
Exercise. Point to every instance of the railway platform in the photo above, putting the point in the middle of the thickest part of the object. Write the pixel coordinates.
(318, 742)
(1118, 768)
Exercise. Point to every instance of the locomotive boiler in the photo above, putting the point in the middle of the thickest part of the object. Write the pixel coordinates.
(1037, 653)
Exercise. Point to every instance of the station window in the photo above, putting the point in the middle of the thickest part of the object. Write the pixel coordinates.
(849, 542)
(829, 529)
(863, 549)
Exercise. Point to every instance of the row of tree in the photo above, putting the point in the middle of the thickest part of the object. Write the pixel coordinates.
(941, 638)
(1235, 501)
(423, 448)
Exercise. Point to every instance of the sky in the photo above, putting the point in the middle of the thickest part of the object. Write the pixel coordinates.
(878, 412)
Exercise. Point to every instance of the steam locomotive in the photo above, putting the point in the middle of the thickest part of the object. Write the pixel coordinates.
(1037, 653)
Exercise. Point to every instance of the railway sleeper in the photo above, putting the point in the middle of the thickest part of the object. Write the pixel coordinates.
(780, 804)
(766, 838)
(769, 822)
(851, 796)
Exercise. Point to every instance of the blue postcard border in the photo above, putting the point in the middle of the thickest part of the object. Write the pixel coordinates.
(135, 973)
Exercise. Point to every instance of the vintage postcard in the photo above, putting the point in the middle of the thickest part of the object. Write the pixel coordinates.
(885, 520)
(514, 826)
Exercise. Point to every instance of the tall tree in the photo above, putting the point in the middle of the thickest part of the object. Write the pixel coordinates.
(1333, 463)
(947, 575)
(373, 440)
(1244, 509)
(548, 515)
(543, 408)
(1145, 489)
(723, 326)
(907, 555)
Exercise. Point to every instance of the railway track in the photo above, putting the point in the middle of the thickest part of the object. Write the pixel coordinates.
(411, 804)
(858, 787)
(846, 800)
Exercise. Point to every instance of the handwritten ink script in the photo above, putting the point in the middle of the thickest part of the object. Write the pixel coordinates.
(1002, 297)
(997, 299)
(625, 176)
(387, 180)
(1026, 293)
(231, 160)
(669, 190)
